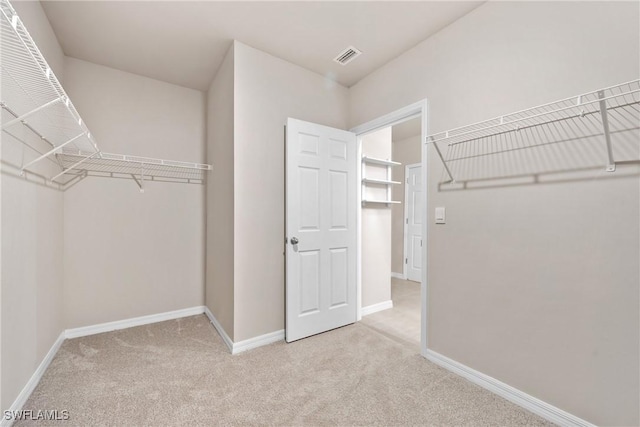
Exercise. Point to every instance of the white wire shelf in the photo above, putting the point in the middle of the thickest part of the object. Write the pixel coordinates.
(34, 101)
(32, 96)
(594, 129)
(140, 169)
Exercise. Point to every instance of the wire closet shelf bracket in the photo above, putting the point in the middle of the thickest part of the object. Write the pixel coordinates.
(38, 112)
(599, 117)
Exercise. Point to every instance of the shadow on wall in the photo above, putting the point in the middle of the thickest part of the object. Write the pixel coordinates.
(22, 148)
(548, 144)
(555, 177)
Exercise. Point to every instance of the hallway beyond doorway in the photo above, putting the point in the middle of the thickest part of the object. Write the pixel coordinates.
(403, 320)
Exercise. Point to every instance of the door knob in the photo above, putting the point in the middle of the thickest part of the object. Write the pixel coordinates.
(294, 240)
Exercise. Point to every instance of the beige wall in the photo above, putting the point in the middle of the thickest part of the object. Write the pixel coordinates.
(268, 90)
(220, 199)
(128, 254)
(31, 246)
(535, 285)
(376, 224)
(32, 277)
(407, 151)
(548, 297)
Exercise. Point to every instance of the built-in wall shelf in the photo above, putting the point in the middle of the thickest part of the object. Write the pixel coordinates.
(37, 112)
(387, 182)
(379, 181)
(384, 202)
(593, 130)
(381, 162)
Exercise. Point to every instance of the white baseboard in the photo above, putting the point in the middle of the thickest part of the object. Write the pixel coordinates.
(258, 341)
(398, 276)
(135, 321)
(520, 398)
(34, 380)
(240, 346)
(374, 308)
(234, 348)
(219, 328)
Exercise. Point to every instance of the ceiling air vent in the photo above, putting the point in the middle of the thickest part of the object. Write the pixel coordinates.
(347, 55)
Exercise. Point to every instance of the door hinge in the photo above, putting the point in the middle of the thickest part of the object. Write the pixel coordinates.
(420, 242)
(407, 180)
(406, 221)
(406, 260)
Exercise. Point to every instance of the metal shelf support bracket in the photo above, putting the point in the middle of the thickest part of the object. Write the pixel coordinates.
(611, 166)
(442, 159)
(74, 166)
(140, 182)
(137, 182)
(47, 154)
(30, 113)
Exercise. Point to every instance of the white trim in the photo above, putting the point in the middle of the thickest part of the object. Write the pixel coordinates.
(220, 329)
(520, 398)
(400, 276)
(359, 228)
(251, 343)
(417, 109)
(374, 308)
(394, 118)
(135, 321)
(258, 341)
(34, 380)
(424, 284)
(128, 323)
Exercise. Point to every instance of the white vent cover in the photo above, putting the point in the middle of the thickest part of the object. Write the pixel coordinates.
(347, 55)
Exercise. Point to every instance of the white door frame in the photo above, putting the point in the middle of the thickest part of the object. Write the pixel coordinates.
(418, 109)
(405, 225)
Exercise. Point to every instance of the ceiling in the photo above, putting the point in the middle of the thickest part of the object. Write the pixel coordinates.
(184, 42)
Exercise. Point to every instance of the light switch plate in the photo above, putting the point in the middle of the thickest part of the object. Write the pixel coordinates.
(440, 216)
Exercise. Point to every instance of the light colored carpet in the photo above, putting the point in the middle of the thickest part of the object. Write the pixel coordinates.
(180, 373)
(403, 320)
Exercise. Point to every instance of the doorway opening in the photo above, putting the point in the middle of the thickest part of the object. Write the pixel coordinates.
(392, 228)
(326, 193)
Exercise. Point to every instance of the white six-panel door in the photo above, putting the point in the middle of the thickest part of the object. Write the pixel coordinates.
(413, 222)
(320, 229)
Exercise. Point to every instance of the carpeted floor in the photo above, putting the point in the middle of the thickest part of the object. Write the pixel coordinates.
(180, 373)
(403, 320)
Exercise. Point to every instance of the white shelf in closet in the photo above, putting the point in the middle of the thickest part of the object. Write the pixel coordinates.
(379, 181)
(381, 162)
(35, 107)
(606, 116)
(140, 169)
(385, 202)
(387, 181)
